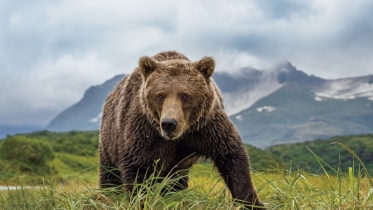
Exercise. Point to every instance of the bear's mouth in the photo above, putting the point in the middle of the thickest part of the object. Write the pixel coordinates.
(170, 137)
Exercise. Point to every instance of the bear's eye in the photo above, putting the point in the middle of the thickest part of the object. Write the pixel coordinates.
(184, 97)
(161, 98)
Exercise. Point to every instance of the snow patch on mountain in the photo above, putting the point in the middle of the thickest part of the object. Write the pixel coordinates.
(345, 89)
(266, 108)
(96, 119)
(239, 117)
(317, 98)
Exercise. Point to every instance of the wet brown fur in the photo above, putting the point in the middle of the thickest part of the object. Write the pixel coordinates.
(168, 85)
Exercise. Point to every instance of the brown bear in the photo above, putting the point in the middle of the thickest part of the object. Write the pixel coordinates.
(169, 109)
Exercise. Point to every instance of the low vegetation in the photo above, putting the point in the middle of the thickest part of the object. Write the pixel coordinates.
(307, 156)
(59, 171)
(37, 157)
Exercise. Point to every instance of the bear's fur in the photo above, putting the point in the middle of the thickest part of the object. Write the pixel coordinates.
(169, 109)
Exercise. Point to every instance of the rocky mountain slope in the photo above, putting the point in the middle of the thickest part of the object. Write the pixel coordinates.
(294, 113)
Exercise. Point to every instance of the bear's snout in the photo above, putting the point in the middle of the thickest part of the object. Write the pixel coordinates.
(168, 125)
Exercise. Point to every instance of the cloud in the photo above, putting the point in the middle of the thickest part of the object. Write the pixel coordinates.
(50, 87)
(51, 51)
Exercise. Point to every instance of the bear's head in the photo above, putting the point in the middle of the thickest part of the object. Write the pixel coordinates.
(176, 93)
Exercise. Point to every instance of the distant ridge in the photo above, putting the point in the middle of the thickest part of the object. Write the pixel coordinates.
(15, 129)
(85, 115)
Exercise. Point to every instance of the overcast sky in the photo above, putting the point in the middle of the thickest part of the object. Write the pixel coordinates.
(52, 51)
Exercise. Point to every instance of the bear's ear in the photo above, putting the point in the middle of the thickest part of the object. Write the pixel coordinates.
(147, 65)
(206, 66)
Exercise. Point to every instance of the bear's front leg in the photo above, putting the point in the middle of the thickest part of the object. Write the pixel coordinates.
(180, 179)
(134, 176)
(109, 174)
(235, 170)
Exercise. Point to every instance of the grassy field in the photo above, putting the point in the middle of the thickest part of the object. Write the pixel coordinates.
(278, 189)
(66, 164)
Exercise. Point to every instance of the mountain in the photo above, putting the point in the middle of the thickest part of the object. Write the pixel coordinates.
(86, 114)
(243, 89)
(293, 113)
(268, 107)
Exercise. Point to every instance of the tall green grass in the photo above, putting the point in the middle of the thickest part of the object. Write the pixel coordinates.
(277, 188)
(154, 193)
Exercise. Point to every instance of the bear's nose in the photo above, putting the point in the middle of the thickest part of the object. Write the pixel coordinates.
(168, 124)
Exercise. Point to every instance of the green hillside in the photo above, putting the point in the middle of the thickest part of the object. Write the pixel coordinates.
(67, 155)
(38, 156)
(333, 154)
(262, 160)
(69, 161)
